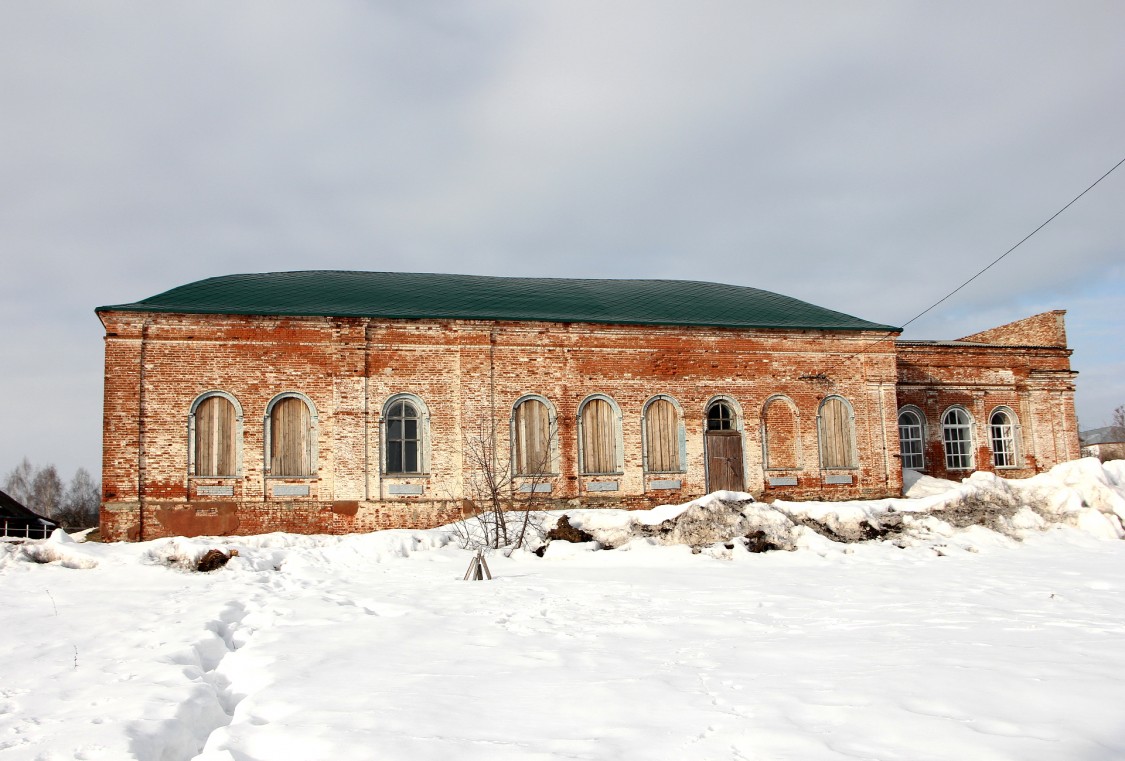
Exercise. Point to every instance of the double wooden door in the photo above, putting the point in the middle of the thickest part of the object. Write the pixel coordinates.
(724, 460)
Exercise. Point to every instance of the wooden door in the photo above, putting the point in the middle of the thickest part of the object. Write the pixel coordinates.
(724, 460)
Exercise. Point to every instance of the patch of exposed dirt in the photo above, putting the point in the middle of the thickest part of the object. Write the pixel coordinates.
(759, 541)
(564, 532)
(863, 531)
(212, 560)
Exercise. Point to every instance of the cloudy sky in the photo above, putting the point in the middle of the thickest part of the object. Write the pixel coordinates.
(867, 157)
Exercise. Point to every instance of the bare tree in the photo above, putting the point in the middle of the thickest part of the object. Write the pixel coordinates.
(80, 502)
(41, 490)
(1119, 417)
(18, 483)
(46, 491)
(507, 501)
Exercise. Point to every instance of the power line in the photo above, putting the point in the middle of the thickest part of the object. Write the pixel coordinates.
(1013, 248)
(989, 266)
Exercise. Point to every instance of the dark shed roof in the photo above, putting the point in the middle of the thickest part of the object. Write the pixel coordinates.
(400, 295)
(15, 516)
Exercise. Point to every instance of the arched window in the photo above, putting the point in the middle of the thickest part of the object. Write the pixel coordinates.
(291, 436)
(663, 436)
(1002, 432)
(405, 431)
(836, 423)
(599, 436)
(957, 435)
(215, 433)
(721, 417)
(910, 437)
(779, 433)
(534, 437)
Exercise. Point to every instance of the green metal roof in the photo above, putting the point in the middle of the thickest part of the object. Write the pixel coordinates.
(401, 295)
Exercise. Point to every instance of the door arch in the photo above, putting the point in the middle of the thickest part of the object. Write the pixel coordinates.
(722, 446)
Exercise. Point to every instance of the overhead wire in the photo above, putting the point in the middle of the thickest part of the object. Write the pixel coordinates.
(990, 265)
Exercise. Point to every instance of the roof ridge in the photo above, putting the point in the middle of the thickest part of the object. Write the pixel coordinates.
(406, 295)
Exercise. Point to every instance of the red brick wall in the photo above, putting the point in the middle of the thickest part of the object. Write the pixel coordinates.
(782, 435)
(1046, 329)
(1036, 384)
(468, 374)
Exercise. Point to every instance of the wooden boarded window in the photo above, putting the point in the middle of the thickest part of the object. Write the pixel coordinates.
(291, 438)
(216, 452)
(404, 439)
(837, 434)
(599, 437)
(662, 437)
(532, 435)
(780, 435)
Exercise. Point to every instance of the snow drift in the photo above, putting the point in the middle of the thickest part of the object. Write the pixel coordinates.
(976, 620)
(1085, 494)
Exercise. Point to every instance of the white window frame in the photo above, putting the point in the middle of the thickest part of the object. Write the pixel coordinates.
(920, 417)
(1013, 437)
(967, 459)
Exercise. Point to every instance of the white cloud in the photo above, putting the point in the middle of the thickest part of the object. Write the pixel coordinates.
(865, 157)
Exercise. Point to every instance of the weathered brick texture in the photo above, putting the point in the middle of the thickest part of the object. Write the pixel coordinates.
(468, 375)
(1046, 329)
(1025, 371)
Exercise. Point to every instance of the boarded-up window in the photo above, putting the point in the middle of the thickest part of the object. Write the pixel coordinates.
(404, 439)
(662, 437)
(1003, 433)
(215, 437)
(837, 434)
(291, 437)
(957, 435)
(532, 438)
(599, 437)
(780, 423)
(910, 439)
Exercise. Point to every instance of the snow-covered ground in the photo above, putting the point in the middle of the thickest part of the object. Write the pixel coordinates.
(935, 642)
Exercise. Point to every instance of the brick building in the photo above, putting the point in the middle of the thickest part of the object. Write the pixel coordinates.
(332, 402)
